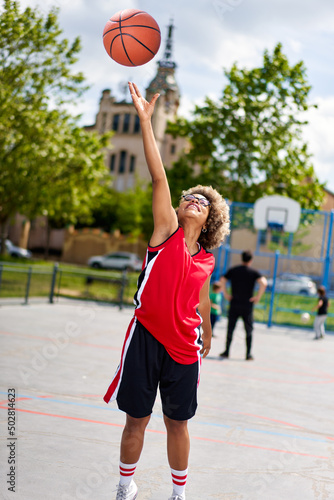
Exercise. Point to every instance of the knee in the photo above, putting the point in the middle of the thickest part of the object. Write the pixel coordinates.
(176, 426)
(134, 425)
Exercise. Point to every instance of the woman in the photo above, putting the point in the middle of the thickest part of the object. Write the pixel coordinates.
(163, 343)
(322, 311)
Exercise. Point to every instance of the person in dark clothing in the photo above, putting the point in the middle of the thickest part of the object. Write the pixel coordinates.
(243, 279)
(322, 310)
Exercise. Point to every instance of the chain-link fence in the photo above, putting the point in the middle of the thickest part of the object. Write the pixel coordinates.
(295, 264)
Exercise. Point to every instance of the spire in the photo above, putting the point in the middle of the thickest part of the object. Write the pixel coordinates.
(166, 61)
(164, 81)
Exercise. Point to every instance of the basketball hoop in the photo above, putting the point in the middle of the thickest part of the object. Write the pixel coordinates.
(277, 213)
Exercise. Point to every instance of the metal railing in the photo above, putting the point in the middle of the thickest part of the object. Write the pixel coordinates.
(24, 281)
(27, 281)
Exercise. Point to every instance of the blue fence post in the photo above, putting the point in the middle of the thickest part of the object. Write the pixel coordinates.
(324, 235)
(290, 243)
(226, 259)
(327, 264)
(271, 307)
(216, 273)
(53, 282)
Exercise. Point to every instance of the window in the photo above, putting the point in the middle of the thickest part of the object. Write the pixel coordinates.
(112, 163)
(122, 161)
(132, 164)
(173, 149)
(126, 122)
(136, 127)
(115, 122)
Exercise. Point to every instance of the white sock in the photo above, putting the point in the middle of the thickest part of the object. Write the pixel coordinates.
(126, 472)
(179, 478)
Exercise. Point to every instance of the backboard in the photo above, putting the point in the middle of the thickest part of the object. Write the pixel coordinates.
(277, 212)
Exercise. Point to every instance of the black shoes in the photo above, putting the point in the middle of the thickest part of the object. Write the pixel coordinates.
(224, 355)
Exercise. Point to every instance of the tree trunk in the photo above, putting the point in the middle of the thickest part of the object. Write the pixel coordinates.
(24, 237)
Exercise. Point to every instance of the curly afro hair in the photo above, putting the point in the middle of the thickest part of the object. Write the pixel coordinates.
(218, 221)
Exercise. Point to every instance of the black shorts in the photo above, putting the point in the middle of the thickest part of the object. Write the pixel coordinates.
(148, 365)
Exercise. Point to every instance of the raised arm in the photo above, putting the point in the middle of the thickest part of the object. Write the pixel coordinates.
(164, 216)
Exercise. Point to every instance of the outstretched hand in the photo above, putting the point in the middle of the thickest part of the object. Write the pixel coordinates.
(144, 108)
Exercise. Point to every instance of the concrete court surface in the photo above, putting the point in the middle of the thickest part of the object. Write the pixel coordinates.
(264, 429)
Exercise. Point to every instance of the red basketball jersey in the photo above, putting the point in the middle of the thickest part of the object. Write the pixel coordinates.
(168, 295)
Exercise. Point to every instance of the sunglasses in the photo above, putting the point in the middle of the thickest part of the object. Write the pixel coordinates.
(202, 201)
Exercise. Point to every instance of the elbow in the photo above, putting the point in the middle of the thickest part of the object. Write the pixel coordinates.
(158, 179)
(264, 282)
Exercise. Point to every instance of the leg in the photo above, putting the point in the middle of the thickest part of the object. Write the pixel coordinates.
(135, 396)
(131, 446)
(247, 317)
(133, 439)
(233, 316)
(316, 326)
(178, 443)
(178, 389)
(322, 325)
(213, 319)
(178, 446)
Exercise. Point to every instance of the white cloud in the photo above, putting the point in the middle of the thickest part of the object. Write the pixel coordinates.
(319, 134)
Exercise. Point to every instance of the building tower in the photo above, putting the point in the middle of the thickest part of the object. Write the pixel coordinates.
(167, 105)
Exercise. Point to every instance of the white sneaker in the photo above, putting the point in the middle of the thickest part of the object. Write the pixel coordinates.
(127, 491)
(177, 497)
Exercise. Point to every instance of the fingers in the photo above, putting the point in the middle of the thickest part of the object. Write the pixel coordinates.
(134, 89)
(154, 99)
(204, 352)
(133, 92)
(144, 109)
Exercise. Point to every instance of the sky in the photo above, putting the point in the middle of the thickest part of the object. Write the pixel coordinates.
(209, 36)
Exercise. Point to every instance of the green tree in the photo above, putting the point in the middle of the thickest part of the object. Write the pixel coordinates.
(48, 164)
(249, 143)
(129, 211)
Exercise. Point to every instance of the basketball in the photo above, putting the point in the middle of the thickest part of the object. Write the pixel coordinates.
(305, 317)
(131, 37)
